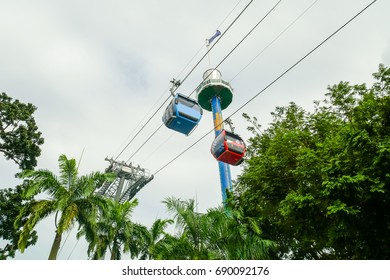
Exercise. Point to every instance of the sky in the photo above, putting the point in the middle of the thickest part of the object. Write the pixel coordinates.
(98, 70)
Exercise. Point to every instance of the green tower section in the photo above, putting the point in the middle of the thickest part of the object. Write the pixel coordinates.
(213, 85)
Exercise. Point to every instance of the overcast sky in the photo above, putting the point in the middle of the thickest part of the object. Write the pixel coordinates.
(97, 70)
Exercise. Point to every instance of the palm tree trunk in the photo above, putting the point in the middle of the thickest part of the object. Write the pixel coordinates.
(55, 247)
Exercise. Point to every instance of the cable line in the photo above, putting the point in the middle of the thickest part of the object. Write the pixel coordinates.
(303, 58)
(246, 36)
(165, 101)
(142, 128)
(271, 83)
(229, 14)
(74, 247)
(219, 38)
(157, 148)
(140, 122)
(147, 140)
(200, 49)
(276, 38)
(239, 43)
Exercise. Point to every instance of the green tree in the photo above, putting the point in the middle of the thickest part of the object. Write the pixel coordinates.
(190, 240)
(11, 202)
(216, 234)
(114, 230)
(72, 197)
(155, 234)
(237, 237)
(319, 181)
(19, 141)
(19, 135)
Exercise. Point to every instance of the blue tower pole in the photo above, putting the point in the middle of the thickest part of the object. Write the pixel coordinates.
(215, 95)
(224, 169)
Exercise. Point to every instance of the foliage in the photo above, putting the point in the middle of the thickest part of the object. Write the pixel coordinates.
(19, 141)
(11, 202)
(19, 135)
(319, 182)
(113, 229)
(190, 242)
(153, 237)
(70, 195)
(217, 234)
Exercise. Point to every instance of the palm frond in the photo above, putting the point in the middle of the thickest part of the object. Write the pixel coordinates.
(37, 210)
(68, 217)
(158, 228)
(68, 171)
(39, 181)
(86, 185)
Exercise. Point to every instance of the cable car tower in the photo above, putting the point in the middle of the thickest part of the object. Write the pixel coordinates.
(215, 95)
(128, 182)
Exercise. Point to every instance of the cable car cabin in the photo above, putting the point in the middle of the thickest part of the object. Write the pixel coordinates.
(182, 114)
(229, 148)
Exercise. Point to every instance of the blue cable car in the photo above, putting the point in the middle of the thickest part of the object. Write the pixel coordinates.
(182, 114)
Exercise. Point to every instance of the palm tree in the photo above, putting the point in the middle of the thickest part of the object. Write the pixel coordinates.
(156, 233)
(191, 240)
(92, 229)
(236, 237)
(178, 247)
(217, 234)
(114, 230)
(71, 197)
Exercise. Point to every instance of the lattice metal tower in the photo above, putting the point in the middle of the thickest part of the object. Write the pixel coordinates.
(129, 181)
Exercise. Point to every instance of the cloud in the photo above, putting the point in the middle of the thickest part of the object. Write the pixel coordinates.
(96, 72)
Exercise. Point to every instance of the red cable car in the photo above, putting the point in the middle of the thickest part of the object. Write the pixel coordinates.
(229, 148)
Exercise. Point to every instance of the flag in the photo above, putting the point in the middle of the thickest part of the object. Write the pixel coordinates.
(209, 41)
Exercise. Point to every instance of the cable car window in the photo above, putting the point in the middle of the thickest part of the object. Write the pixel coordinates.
(188, 103)
(235, 148)
(168, 112)
(219, 139)
(235, 144)
(234, 140)
(217, 145)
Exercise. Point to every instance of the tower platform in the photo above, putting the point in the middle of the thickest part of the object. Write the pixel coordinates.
(213, 85)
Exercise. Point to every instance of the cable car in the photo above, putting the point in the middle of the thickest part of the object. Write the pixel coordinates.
(182, 114)
(229, 148)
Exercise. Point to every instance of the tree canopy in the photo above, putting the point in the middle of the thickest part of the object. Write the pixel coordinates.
(71, 196)
(19, 141)
(11, 203)
(319, 181)
(315, 185)
(218, 234)
(113, 229)
(19, 135)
